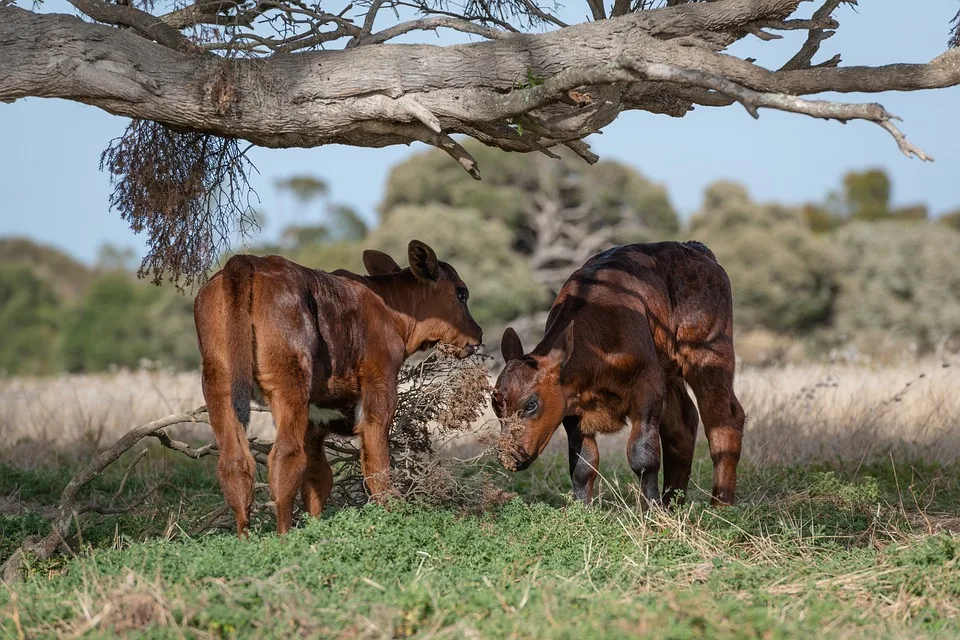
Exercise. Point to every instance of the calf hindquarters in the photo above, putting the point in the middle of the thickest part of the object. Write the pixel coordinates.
(224, 334)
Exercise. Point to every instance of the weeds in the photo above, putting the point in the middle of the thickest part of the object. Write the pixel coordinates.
(857, 541)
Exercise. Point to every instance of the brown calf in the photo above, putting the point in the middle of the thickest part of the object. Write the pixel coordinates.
(323, 350)
(626, 331)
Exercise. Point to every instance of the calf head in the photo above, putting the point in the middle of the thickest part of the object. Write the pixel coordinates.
(431, 293)
(529, 398)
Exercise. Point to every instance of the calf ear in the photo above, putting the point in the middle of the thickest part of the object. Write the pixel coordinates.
(423, 261)
(510, 346)
(378, 263)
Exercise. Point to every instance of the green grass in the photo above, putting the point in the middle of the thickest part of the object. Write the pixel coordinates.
(835, 552)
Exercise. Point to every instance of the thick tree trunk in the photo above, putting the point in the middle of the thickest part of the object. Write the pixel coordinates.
(383, 94)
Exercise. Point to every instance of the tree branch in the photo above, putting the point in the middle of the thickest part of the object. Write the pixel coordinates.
(145, 24)
(429, 24)
(818, 33)
(395, 94)
(752, 100)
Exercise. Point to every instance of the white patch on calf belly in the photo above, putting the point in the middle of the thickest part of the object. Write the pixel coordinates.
(319, 415)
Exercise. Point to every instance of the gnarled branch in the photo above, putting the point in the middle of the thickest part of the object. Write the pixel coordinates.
(517, 91)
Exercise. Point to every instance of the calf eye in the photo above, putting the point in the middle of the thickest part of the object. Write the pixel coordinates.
(462, 294)
(531, 406)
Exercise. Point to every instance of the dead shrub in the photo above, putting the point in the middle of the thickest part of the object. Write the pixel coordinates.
(439, 397)
(505, 442)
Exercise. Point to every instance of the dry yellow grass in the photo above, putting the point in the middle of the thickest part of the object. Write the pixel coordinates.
(828, 412)
(794, 414)
(80, 413)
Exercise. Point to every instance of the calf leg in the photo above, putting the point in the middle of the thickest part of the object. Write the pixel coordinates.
(584, 459)
(317, 481)
(678, 434)
(236, 467)
(723, 420)
(643, 446)
(378, 404)
(287, 457)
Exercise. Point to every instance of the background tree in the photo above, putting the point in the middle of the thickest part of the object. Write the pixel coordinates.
(501, 283)
(338, 222)
(867, 194)
(30, 319)
(121, 322)
(559, 211)
(783, 277)
(198, 77)
(951, 219)
(898, 278)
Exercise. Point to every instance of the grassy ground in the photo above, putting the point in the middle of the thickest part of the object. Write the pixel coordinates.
(847, 551)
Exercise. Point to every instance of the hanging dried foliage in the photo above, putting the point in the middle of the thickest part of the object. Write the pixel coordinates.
(188, 191)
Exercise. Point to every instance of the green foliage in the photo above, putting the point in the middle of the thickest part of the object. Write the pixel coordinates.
(515, 185)
(347, 223)
(951, 220)
(867, 194)
(900, 278)
(820, 219)
(910, 213)
(783, 277)
(305, 188)
(617, 193)
(30, 318)
(296, 236)
(123, 322)
(500, 282)
(330, 257)
(825, 552)
(68, 278)
(430, 178)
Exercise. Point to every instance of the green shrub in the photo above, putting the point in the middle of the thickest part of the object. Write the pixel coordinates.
(900, 278)
(783, 277)
(500, 281)
(30, 318)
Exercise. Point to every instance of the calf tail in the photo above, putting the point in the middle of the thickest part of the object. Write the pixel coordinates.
(238, 274)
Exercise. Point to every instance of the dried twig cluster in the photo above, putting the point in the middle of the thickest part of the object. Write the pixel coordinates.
(437, 396)
(506, 441)
(189, 191)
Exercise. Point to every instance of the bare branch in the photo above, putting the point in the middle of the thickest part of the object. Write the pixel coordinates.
(129, 16)
(599, 13)
(752, 100)
(207, 11)
(818, 33)
(429, 24)
(534, 10)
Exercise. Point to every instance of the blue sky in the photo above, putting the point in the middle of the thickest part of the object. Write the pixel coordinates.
(53, 191)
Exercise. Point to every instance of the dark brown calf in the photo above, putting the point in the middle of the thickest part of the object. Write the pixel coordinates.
(323, 350)
(625, 332)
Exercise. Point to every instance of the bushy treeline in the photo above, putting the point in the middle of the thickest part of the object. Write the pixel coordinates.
(848, 270)
(57, 314)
